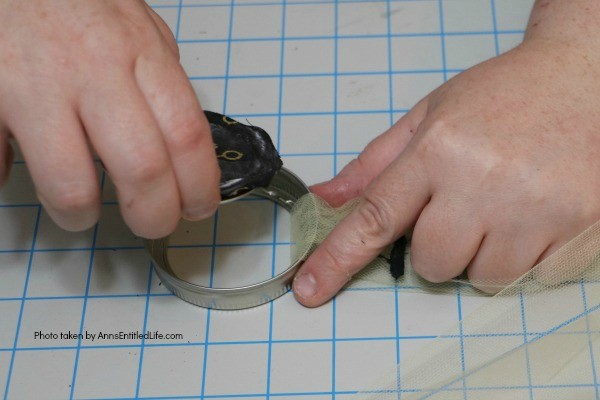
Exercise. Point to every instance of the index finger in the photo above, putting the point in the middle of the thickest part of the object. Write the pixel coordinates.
(388, 208)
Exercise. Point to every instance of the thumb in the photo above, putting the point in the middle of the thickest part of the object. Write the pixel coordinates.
(389, 206)
(376, 156)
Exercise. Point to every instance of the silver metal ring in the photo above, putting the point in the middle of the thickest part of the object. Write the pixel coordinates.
(285, 189)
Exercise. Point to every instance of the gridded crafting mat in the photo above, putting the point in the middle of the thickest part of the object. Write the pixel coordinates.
(323, 78)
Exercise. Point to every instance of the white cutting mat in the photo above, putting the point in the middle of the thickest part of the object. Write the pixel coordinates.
(323, 78)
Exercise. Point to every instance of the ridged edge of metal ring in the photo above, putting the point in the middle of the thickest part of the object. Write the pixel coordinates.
(285, 189)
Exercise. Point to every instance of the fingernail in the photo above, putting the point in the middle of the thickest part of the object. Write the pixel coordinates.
(305, 285)
(197, 214)
(194, 215)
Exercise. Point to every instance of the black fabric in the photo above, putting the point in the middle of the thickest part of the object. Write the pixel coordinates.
(396, 259)
(247, 157)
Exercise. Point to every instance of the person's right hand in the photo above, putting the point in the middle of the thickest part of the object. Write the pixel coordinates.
(105, 73)
(495, 170)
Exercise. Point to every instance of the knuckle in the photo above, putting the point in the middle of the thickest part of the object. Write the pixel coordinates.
(437, 139)
(106, 36)
(376, 217)
(354, 171)
(440, 125)
(354, 164)
(149, 168)
(99, 47)
(168, 36)
(360, 163)
(350, 169)
(336, 262)
(186, 135)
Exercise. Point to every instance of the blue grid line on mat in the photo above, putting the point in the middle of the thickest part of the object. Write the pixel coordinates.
(458, 298)
(280, 2)
(275, 207)
(590, 346)
(334, 318)
(216, 217)
(532, 336)
(363, 36)
(85, 301)
(18, 328)
(390, 72)
(526, 342)
(345, 392)
(325, 393)
(462, 341)
(144, 329)
(526, 345)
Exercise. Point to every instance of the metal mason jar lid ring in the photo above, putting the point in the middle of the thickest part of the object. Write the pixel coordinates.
(250, 165)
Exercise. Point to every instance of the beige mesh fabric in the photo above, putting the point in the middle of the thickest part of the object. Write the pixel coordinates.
(536, 339)
(312, 219)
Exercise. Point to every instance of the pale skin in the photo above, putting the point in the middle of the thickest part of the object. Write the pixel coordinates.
(105, 73)
(494, 170)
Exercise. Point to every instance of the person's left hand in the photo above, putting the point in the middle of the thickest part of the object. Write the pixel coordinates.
(104, 75)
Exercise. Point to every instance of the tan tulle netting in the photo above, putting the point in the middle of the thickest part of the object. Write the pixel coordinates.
(535, 339)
